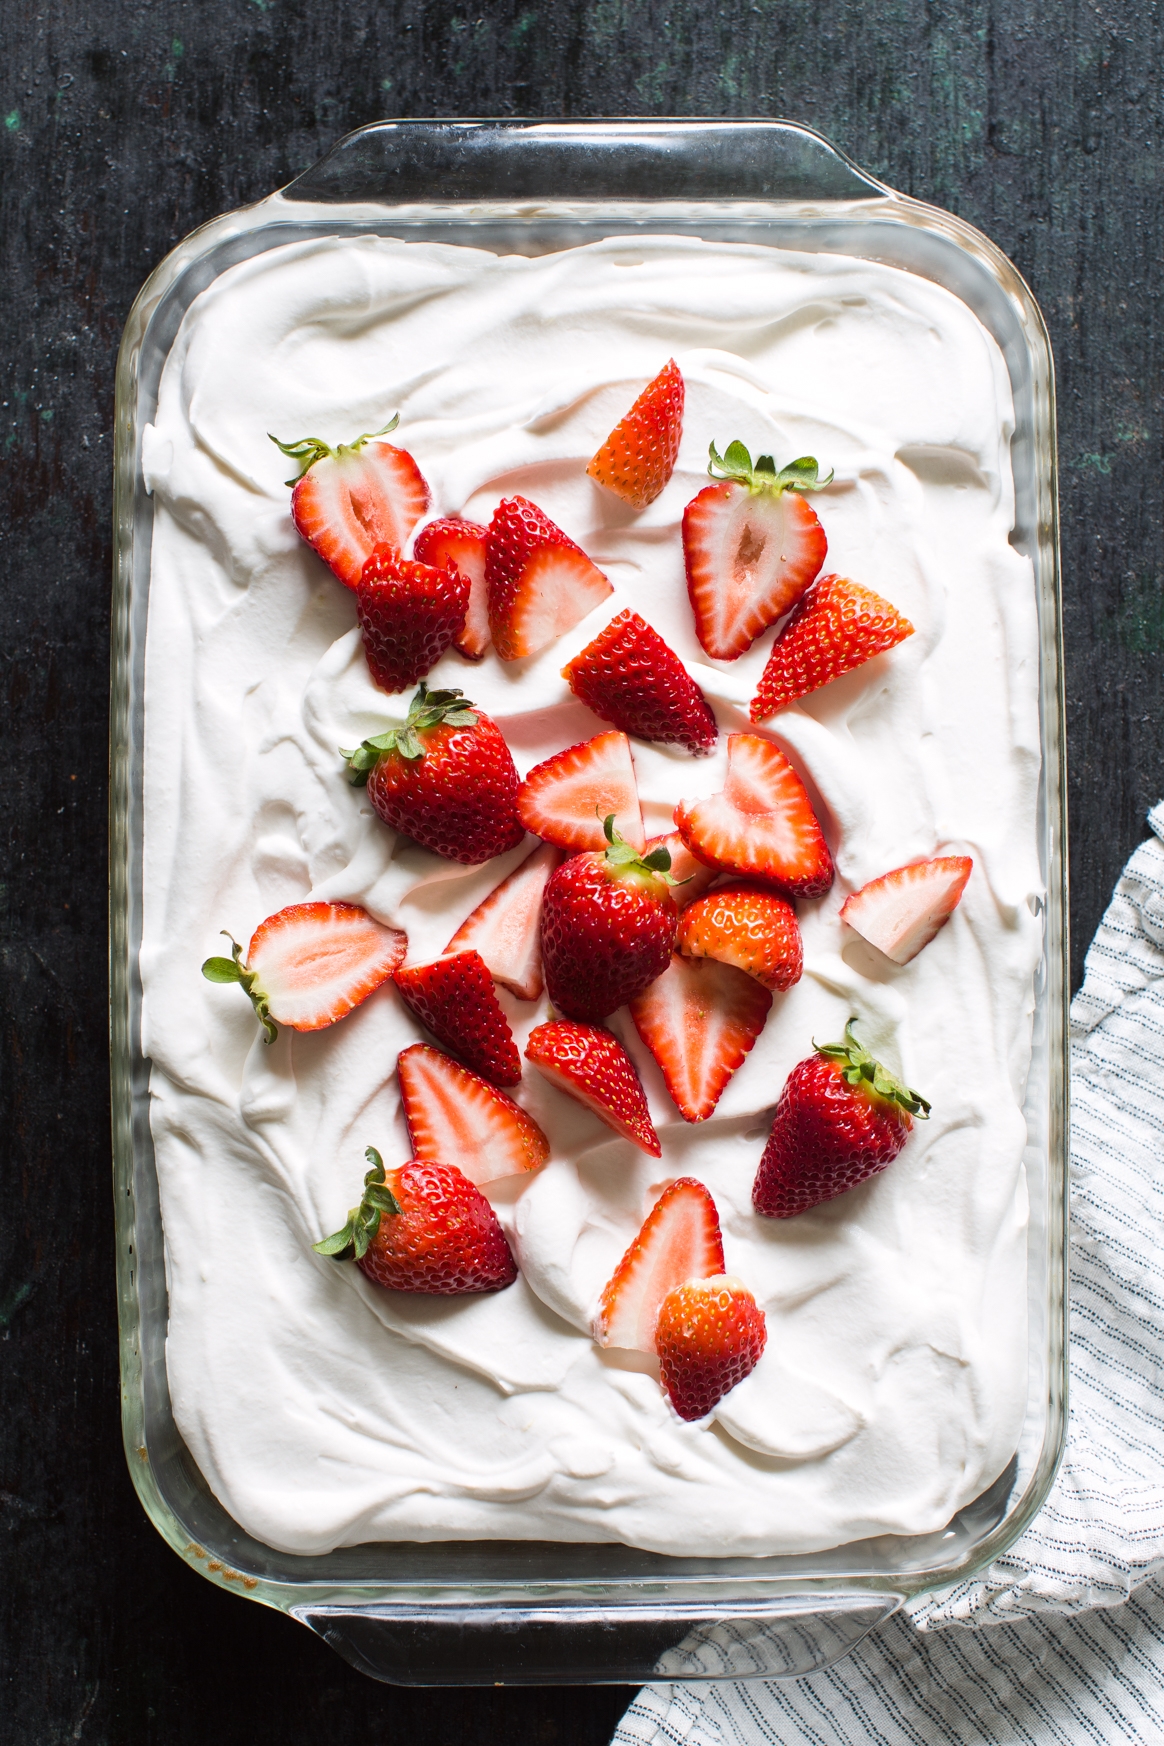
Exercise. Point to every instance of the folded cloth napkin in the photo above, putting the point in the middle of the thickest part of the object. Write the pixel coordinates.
(1075, 1649)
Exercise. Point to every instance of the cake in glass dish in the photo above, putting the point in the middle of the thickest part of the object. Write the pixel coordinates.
(715, 540)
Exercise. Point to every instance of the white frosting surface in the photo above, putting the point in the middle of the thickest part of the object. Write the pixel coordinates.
(324, 1411)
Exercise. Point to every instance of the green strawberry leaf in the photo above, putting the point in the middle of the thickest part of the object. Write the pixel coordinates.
(736, 465)
(221, 970)
(352, 1241)
(858, 1067)
(308, 450)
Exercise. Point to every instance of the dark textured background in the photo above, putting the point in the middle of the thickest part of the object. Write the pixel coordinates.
(123, 124)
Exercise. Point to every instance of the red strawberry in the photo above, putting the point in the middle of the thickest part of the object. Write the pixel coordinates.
(455, 999)
(699, 1021)
(588, 1063)
(746, 926)
(691, 877)
(762, 825)
(903, 910)
(709, 1336)
(751, 545)
(444, 777)
(638, 457)
(565, 799)
(506, 928)
(629, 676)
(837, 625)
(425, 1228)
(539, 583)
(841, 1117)
(309, 965)
(679, 1240)
(608, 925)
(354, 497)
(409, 614)
(461, 544)
(456, 1117)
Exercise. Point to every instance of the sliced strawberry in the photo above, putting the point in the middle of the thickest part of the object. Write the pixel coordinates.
(461, 544)
(699, 1020)
(900, 912)
(638, 457)
(837, 625)
(746, 926)
(629, 676)
(691, 877)
(409, 614)
(588, 1063)
(423, 1228)
(352, 498)
(538, 582)
(566, 799)
(762, 825)
(310, 964)
(455, 999)
(710, 1335)
(679, 1240)
(751, 546)
(456, 1117)
(506, 928)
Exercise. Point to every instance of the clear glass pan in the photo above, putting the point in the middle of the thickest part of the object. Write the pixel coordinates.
(535, 1613)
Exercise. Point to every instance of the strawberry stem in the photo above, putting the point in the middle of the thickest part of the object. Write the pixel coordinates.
(736, 465)
(308, 450)
(363, 1220)
(428, 709)
(233, 969)
(627, 859)
(860, 1067)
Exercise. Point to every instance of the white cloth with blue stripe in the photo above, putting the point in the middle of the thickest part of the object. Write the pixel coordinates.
(1075, 1648)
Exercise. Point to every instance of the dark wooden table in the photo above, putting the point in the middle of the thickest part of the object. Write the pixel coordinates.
(125, 123)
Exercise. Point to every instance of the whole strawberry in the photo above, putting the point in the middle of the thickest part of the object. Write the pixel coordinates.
(423, 1228)
(841, 1118)
(608, 926)
(409, 615)
(444, 777)
(710, 1335)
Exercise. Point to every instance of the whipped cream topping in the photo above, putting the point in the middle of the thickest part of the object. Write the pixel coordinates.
(324, 1411)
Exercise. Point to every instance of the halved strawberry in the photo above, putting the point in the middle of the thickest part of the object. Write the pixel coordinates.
(456, 1117)
(900, 912)
(837, 625)
(710, 1335)
(638, 457)
(538, 582)
(699, 1020)
(762, 824)
(455, 999)
(566, 799)
(409, 614)
(588, 1063)
(461, 544)
(692, 877)
(629, 676)
(352, 498)
(310, 964)
(751, 546)
(506, 928)
(679, 1240)
(746, 926)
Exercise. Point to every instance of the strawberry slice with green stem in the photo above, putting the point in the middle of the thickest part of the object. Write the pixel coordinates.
(589, 1064)
(352, 498)
(455, 1116)
(679, 1240)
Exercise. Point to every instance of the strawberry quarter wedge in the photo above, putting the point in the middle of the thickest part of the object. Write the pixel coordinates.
(762, 825)
(456, 1117)
(699, 1020)
(352, 498)
(409, 614)
(901, 912)
(629, 676)
(710, 1335)
(590, 1064)
(506, 928)
(311, 964)
(565, 799)
(751, 546)
(538, 583)
(679, 1240)
(455, 999)
(749, 927)
(837, 625)
(423, 1228)
(639, 455)
(460, 544)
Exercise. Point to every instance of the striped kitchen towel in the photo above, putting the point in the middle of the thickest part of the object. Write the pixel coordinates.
(1075, 1649)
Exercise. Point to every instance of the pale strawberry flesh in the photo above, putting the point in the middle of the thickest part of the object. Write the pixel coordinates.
(315, 962)
(762, 824)
(902, 911)
(348, 503)
(699, 1020)
(679, 1240)
(505, 929)
(589, 1064)
(462, 544)
(539, 583)
(455, 1116)
(565, 799)
(749, 557)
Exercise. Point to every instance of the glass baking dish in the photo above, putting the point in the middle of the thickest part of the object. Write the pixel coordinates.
(522, 1612)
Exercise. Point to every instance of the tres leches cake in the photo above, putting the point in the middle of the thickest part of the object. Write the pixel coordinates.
(605, 725)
